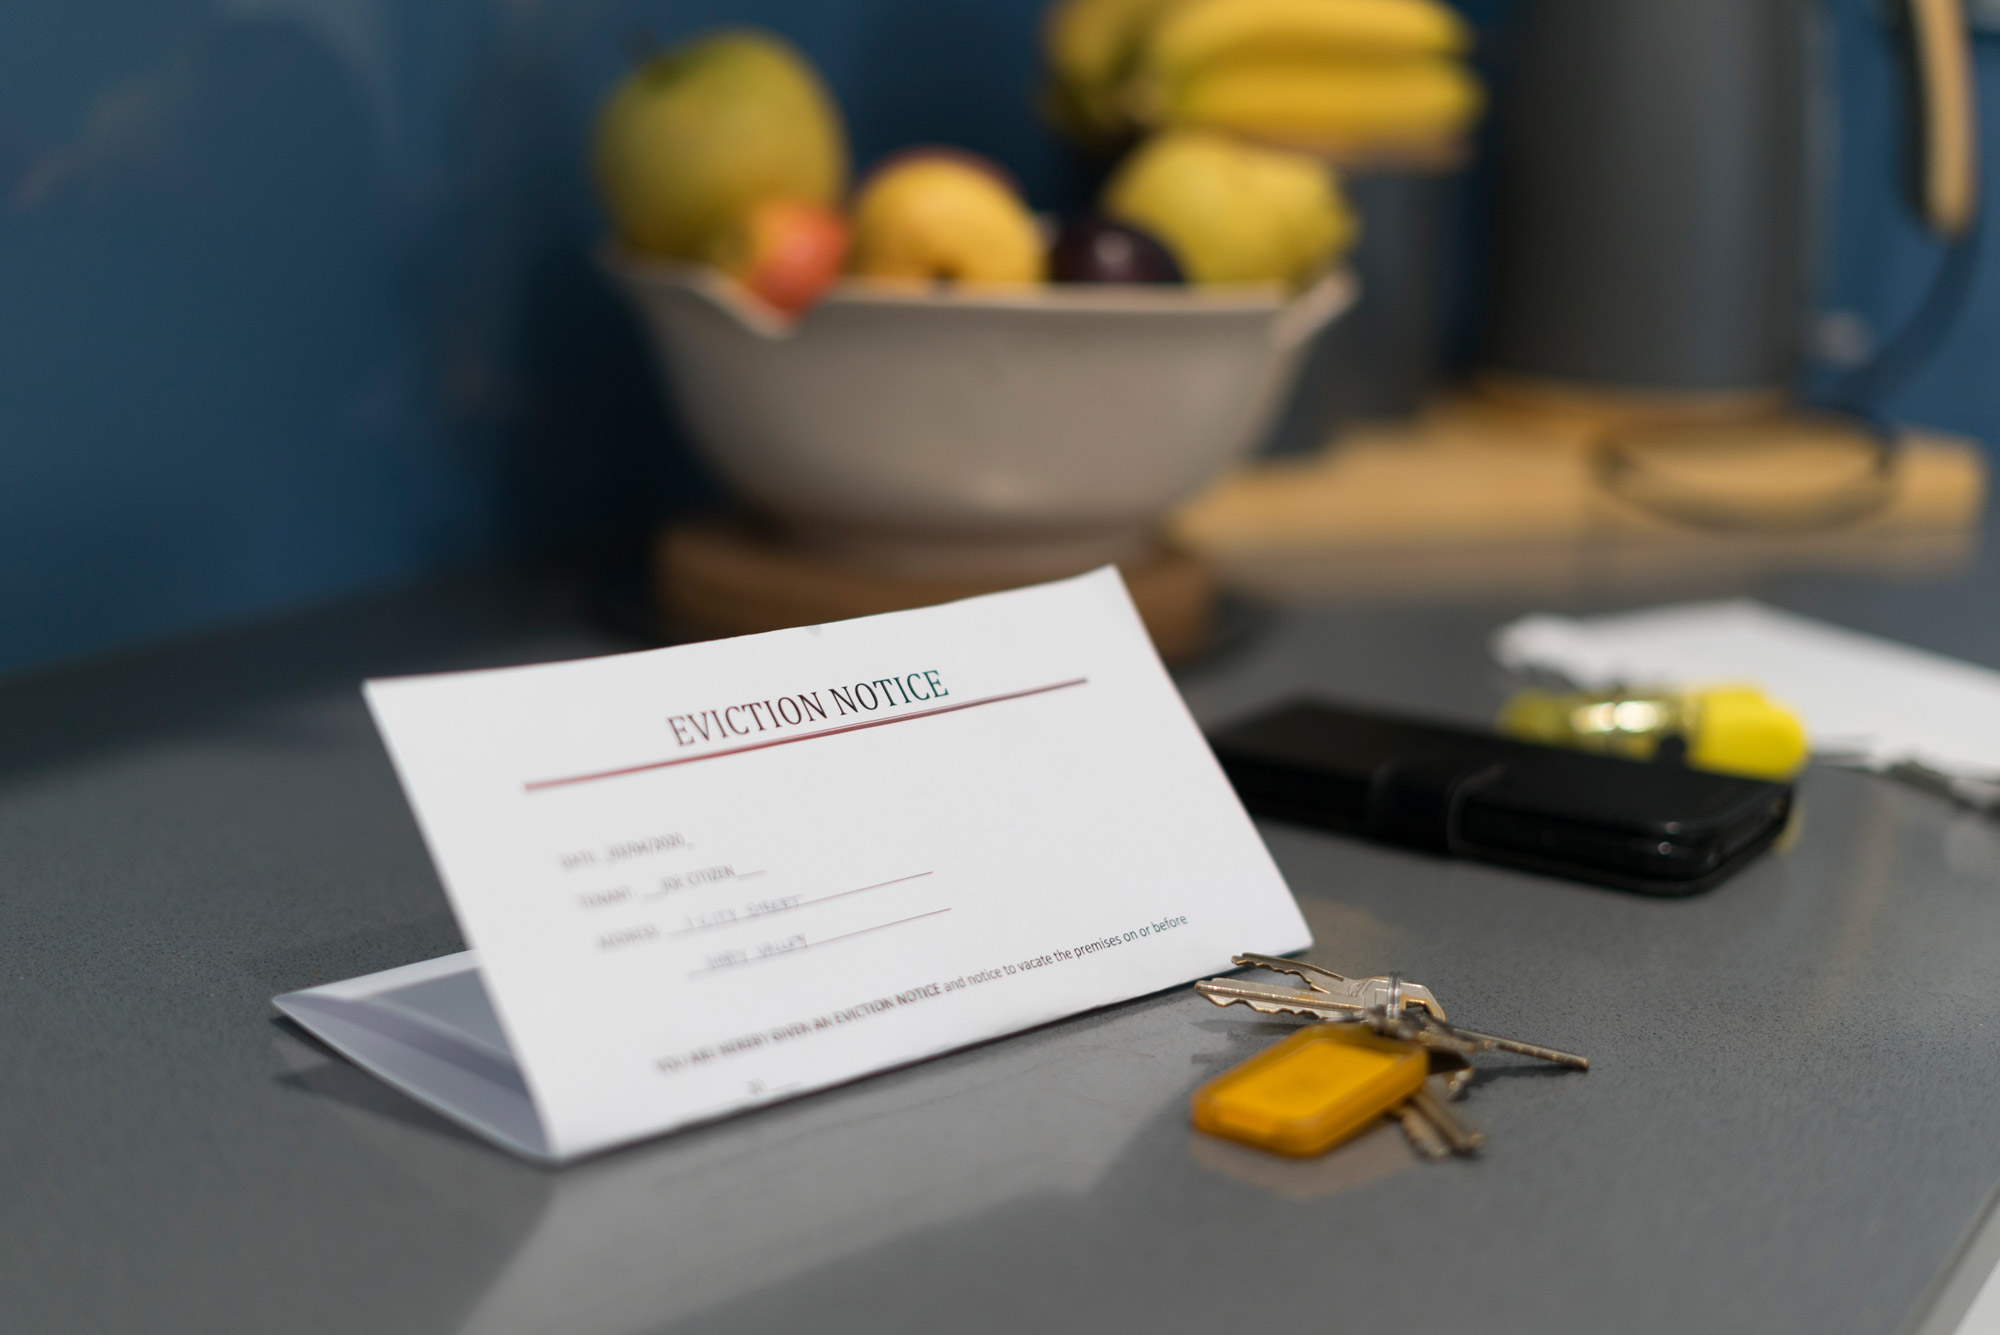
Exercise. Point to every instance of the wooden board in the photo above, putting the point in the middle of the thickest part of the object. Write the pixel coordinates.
(722, 577)
(1475, 497)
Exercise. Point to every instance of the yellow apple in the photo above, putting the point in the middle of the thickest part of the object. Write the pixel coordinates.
(692, 140)
(942, 215)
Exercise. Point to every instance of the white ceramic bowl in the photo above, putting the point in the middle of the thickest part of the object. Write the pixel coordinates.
(958, 434)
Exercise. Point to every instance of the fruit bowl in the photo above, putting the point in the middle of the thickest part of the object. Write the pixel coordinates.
(943, 433)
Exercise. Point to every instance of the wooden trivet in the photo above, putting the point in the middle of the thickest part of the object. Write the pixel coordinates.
(718, 577)
(1482, 497)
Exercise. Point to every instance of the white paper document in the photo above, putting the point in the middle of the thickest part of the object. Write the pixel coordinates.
(1858, 695)
(702, 878)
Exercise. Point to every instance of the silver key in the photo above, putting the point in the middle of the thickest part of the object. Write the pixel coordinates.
(1390, 993)
(1273, 999)
(1393, 1007)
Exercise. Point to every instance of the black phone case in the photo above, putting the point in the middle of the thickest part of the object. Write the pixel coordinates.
(1657, 828)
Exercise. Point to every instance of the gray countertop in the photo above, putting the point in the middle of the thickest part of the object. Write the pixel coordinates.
(1787, 1127)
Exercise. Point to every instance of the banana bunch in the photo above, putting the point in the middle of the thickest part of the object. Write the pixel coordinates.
(1337, 76)
(1089, 46)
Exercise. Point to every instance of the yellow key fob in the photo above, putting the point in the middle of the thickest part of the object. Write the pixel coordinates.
(1315, 1089)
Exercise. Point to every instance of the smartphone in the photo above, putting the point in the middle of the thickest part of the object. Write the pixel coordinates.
(1654, 827)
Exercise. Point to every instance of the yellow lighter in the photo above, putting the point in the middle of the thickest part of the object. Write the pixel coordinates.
(1729, 729)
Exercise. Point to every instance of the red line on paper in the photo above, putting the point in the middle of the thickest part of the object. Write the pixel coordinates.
(537, 785)
(802, 904)
(812, 945)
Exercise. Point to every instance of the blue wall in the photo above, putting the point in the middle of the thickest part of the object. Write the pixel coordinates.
(295, 296)
(1879, 258)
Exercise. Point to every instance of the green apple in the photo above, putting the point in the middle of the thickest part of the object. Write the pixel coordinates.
(692, 140)
(1234, 211)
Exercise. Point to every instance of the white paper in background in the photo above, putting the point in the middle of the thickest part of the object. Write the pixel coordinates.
(692, 892)
(1857, 694)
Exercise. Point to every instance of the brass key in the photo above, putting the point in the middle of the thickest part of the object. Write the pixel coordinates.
(1424, 1136)
(1461, 1138)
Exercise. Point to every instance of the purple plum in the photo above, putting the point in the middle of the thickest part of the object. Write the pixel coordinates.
(1094, 249)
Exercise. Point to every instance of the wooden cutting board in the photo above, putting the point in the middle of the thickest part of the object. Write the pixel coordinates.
(1477, 498)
